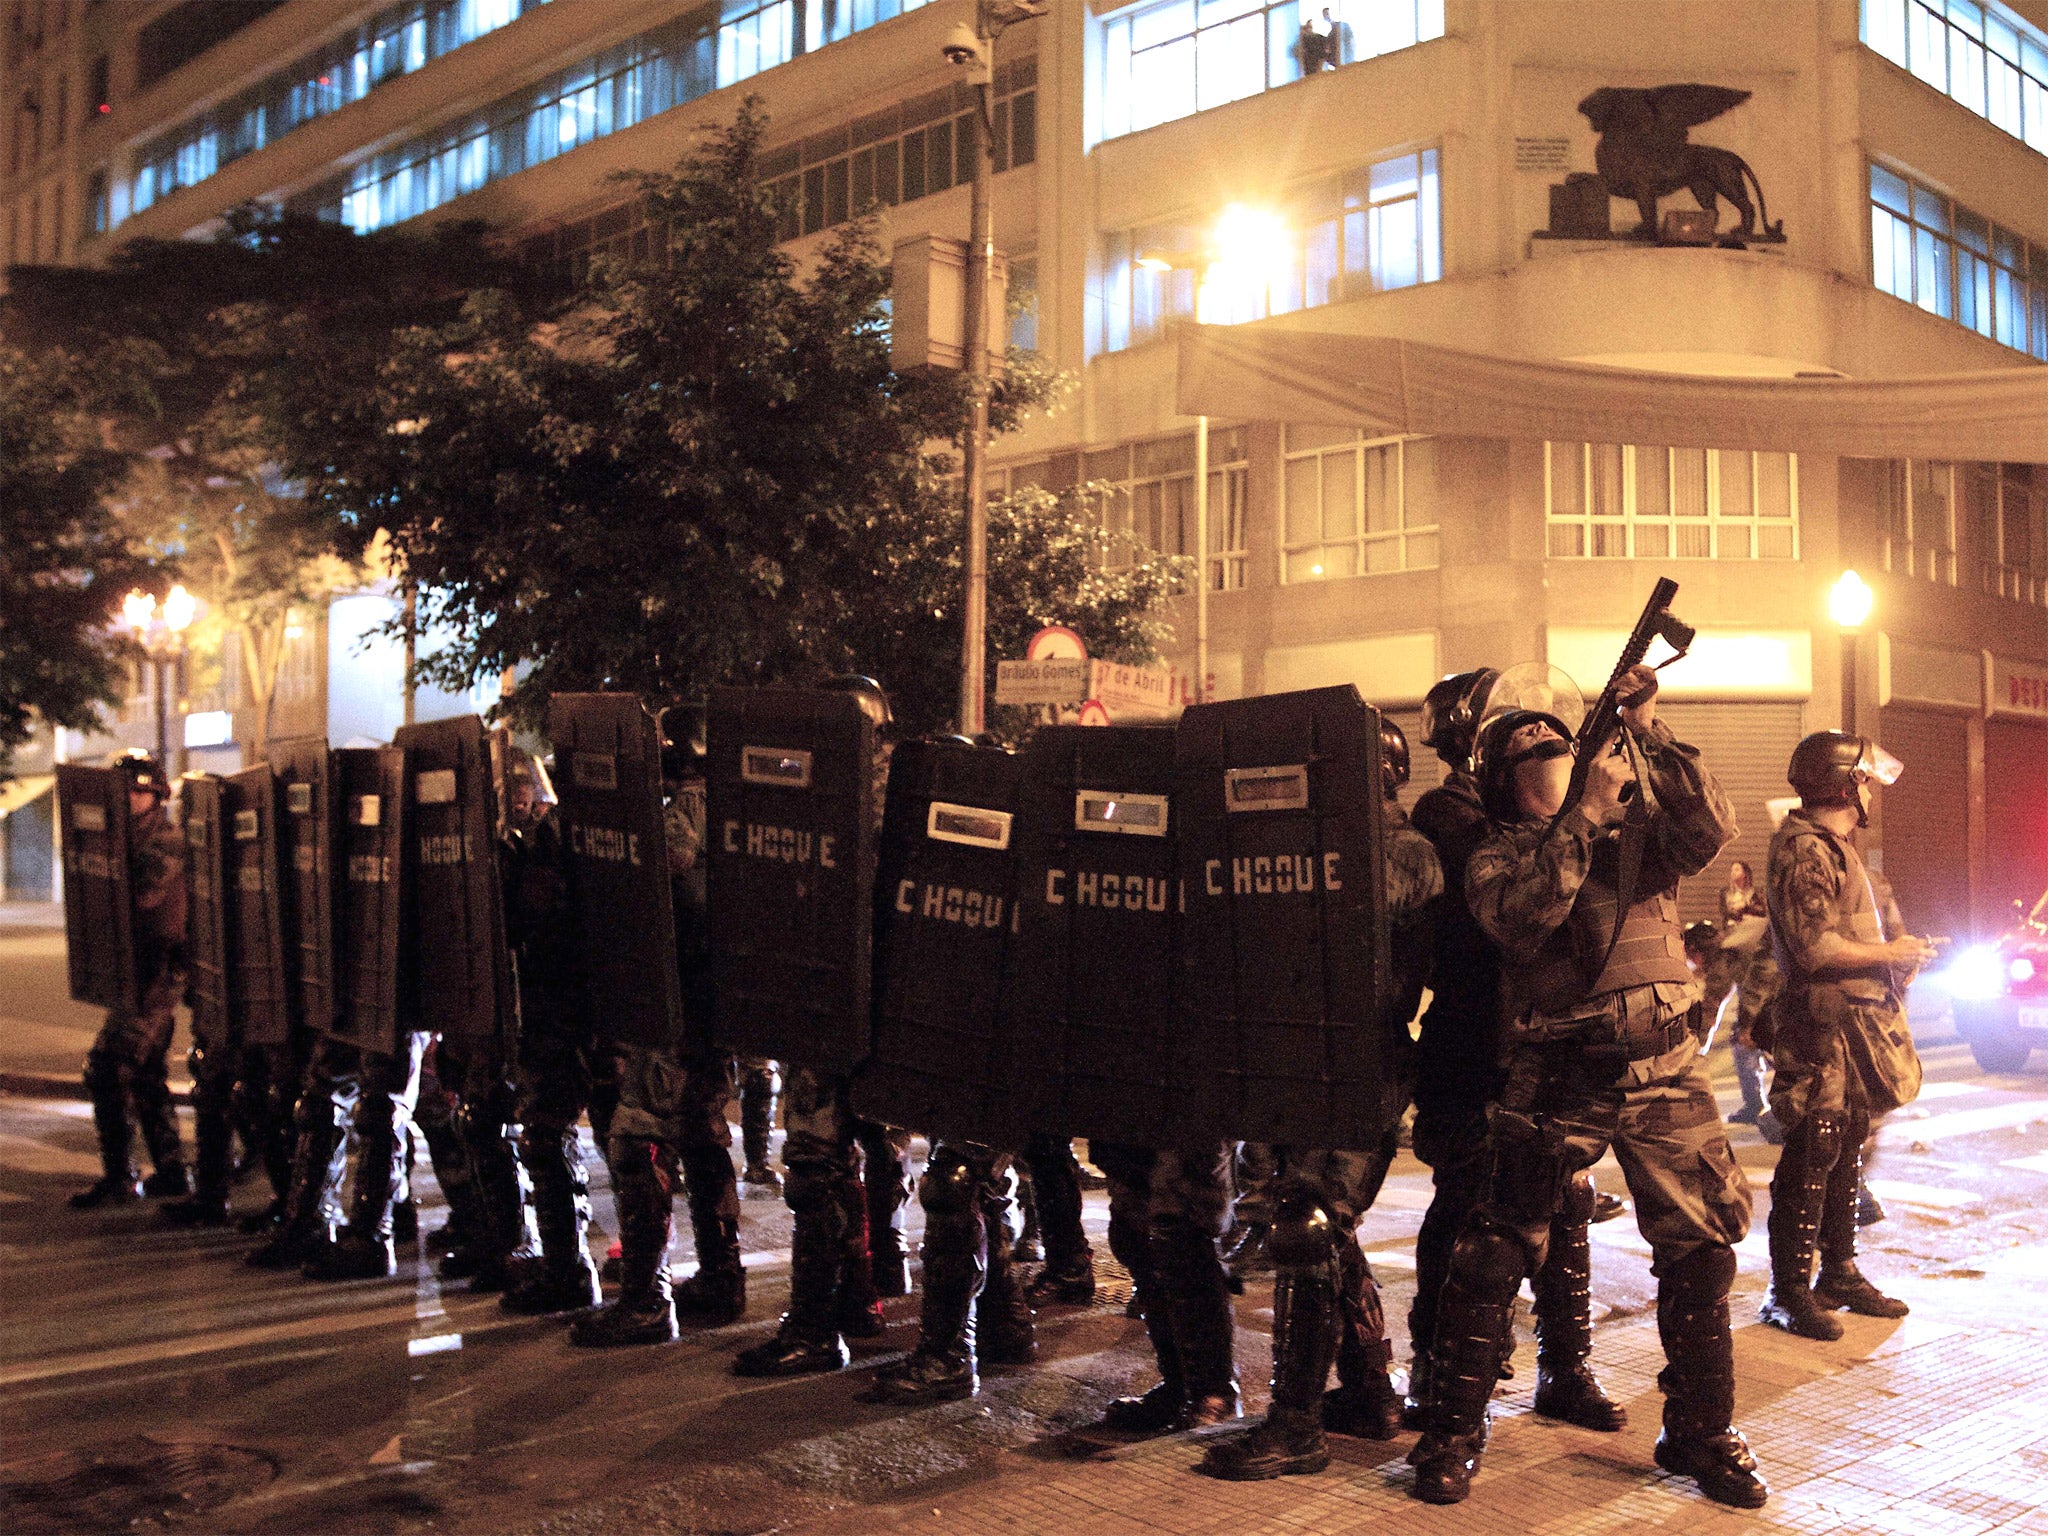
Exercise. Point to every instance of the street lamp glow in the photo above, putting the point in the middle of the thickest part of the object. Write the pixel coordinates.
(180, 608)
(1250, 250)
(137, 609)
(1850, 600)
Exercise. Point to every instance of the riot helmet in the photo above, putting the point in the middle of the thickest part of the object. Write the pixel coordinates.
(1831, 768)
(1450, 714)
(874, 699)
(1393, 757)
(142, 771)
(684, 741)
(528, 789)
(1701, 937)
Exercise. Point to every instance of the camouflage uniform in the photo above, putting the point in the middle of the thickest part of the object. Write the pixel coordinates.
(127, 1064)
(1610, 1060)
(1326, 1303)
(1819, 893)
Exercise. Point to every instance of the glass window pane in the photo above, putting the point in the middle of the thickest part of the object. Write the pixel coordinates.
(1163, 84)
(1149, 28)
(1606, 483)
(1774, 542)
(1399, 177)
(1736, 495)
(1383, 489)
(1314, 435)
(1395, 232)
(1931, 274)
(1653, 541)
(1567, 541)
(1340, 494)
(1304, 503)
(1653, 482)
(1890, 189)
(1567, 471)
(1695, 541)
(1734, 542)
(1773, 485)
(1689, 482)
(1382, 556)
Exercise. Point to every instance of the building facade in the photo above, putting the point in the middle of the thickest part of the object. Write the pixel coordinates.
(1424, 169)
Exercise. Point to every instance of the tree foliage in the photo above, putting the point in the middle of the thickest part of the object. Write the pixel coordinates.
(703, 471)
(65, 558)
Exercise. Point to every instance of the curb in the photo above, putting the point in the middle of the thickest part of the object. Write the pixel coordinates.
(55, 1085)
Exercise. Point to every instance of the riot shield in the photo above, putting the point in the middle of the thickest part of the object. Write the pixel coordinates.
(259, 992)
(99, 935)
(306, 859)
(608, 778)
(370, 955)
(945, 898)
(1089, 1001)
(208, 920)
(1284, 965)
(790, 847)
(462, 977)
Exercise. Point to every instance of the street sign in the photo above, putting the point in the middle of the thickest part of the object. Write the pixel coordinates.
(1129, 692)
(1057, 680)
(1092, 713)
(1056, 642)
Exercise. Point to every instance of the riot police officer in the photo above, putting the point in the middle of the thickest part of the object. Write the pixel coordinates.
(1844, 968)
(126, 1066)
(1458, 1076)
(845, 1181)
(1326, 1303)
(1601, 1012)
(562, 1073)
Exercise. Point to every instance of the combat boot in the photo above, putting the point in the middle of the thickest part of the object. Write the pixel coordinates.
(1008, 1331)
(808, 1339)
(1414, 1411)
(1799, 1190)
(757, 1121)
(1159, 1409)
(1475, 1316)
(1566, 1387)
(566, 1280)
(885, 1182)
(1842, 1286)
(208, 1205)
(170, 1181)
(548, 1290)
(199, 1210)
(858, 1304)
(1195, 1296)
(118, 1182)
(1070, 1284)
(355, 1256)
(889, 1262)
(1364, 1403)
(957, 1246)
(1698, 1440)
(1305, 1326)
(108, 1190)
(644, 1313)
(1029, 1247)
(717, 1293)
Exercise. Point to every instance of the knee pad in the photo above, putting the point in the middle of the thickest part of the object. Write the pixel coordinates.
(1492, 1255)
(1698, 1278)
(1579, 1194)
(1303, 1233)
(948, 1187)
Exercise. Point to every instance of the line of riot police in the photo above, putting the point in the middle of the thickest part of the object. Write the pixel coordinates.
(1179, 943)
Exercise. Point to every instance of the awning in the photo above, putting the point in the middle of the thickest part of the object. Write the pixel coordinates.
(15, 793)
(1264, 373)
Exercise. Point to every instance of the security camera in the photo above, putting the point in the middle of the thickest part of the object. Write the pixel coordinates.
(961, 45)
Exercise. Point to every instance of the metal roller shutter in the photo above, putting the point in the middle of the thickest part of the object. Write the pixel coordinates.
(1746, 745)
(2015, 816)
(1926, 818)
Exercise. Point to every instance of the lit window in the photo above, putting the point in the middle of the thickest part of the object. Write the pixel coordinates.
(1917, 513)
(1354, 506)
(1179, 57)
(753, 38)
(1606, 501)
(1982, 56)
(1956, 264)
(1332, 239)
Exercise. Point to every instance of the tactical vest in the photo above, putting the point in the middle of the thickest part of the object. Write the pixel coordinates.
(1856, 917)
(1650, 949)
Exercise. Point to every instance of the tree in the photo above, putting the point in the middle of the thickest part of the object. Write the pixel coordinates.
(65, 559)
(218, 345)
(704, 471)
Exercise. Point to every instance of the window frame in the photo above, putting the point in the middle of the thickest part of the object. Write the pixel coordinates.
(1930, 40)
(1908, 554)
(1982, 271)
(1629, 520)
(1400, 536)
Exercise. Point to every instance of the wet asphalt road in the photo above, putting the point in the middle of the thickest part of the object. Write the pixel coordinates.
(255, 1402)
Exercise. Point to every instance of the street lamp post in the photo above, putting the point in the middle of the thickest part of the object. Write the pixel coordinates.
(162, 639)
(973, 48)
(1849, 603)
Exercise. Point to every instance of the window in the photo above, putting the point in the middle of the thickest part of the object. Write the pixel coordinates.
(1144, 496)
(899, 154)
(1606, 501)
(1982, 56)
(2007, 506)
(646, 75)
(1355, 506)
(1179, 57)
(395, 42)
(1339, 237)
(1917, 513)
(1955, 264)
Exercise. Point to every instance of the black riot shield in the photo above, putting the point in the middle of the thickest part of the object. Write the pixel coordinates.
(608, 778)
(790, 849)
(1089, 1001)
(208, 917)
(99, 936)
(259, 991)
(946, 918)
(370, 955)
(463, 971)
(1284, 943)
(305, 835)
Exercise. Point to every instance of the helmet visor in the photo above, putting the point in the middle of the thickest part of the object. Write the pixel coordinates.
(1878, 764)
